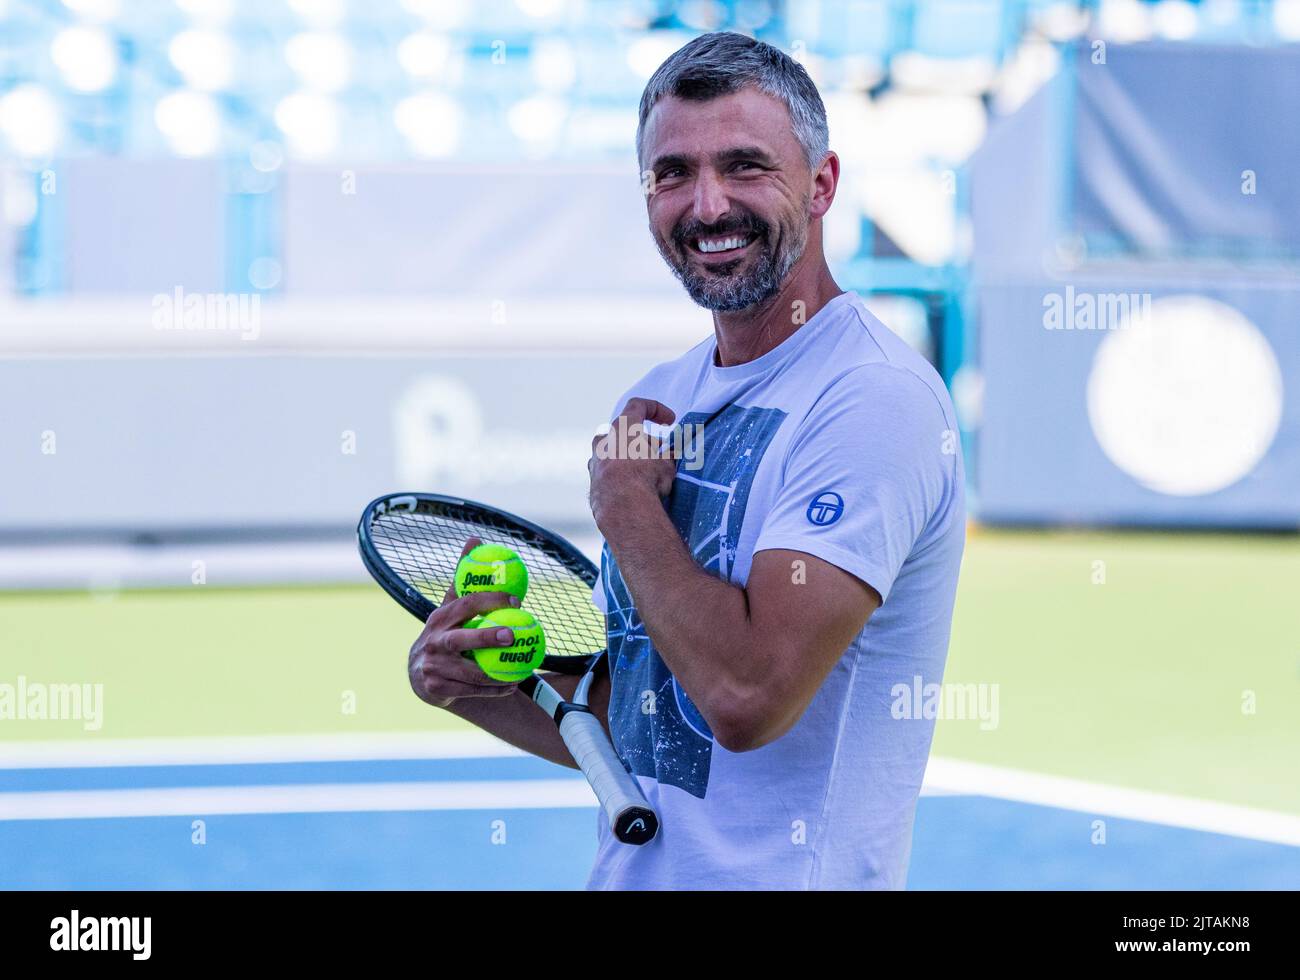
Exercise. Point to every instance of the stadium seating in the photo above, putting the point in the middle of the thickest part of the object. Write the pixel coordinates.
(240, 88)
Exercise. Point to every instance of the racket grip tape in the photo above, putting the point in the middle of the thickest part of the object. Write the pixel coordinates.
(630, 817)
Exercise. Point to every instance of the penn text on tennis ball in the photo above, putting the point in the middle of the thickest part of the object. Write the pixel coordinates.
(492, 568)
(522, 656)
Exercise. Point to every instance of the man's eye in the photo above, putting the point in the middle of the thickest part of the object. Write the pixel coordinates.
(745, 163)
(671, 172)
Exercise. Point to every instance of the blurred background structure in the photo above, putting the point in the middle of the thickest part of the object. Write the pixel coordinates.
(262, 261)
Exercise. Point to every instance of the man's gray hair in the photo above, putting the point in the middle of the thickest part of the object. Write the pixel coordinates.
(724, 62)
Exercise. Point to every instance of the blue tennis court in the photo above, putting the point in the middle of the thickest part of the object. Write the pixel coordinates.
(512, 822)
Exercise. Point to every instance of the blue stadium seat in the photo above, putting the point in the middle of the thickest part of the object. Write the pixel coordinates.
(960, 29)
(862, 27)
(604, 73)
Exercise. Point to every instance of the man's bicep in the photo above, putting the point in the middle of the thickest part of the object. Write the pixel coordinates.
(811, 610)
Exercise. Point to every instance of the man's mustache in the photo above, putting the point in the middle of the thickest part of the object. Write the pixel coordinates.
(684, 236)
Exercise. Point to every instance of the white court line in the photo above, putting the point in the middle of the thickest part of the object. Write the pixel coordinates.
(242, 749)
(541, 794)
(944, 776)
(1209, 816)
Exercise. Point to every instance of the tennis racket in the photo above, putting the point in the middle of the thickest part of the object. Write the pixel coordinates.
(411, 542)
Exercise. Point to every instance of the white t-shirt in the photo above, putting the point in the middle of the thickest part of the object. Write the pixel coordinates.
(840, 443)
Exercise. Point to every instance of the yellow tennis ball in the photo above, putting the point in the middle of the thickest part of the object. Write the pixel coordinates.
(492, 568)
(520, 658)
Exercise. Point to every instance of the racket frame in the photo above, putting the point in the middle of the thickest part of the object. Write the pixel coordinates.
(421, 606)
(631, 818)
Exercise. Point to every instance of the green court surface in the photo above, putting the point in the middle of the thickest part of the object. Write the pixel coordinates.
(1146, 680)
(1179, 674)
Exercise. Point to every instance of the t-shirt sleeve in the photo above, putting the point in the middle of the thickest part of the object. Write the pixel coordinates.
(598, 590)
(866, 472)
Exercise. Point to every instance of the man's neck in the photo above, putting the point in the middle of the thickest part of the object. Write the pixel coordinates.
(747, 335)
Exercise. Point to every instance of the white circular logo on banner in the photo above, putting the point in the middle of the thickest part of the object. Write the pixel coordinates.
(1188, 399)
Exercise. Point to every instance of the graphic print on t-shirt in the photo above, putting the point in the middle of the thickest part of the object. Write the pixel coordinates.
(656, 729)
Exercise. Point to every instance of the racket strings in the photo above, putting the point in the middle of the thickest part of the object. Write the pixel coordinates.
(423, 549)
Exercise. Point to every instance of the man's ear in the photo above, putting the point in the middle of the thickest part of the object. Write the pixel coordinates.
(825, 183)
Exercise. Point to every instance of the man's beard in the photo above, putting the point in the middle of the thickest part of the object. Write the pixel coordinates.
(728, 292)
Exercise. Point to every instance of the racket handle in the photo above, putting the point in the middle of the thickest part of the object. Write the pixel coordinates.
(630, 816)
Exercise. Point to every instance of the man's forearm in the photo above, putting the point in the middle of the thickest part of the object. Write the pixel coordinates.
(698, 623)
(518, 721)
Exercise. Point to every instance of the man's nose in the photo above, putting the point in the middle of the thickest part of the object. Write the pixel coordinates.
(711, 201)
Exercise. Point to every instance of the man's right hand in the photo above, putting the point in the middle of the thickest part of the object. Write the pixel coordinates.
(438, 672)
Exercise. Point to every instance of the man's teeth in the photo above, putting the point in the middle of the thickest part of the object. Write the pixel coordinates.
(723, 244)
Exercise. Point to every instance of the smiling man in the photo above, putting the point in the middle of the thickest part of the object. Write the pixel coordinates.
(773, 595)
(764, 608)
